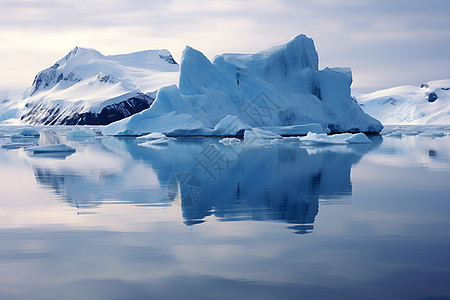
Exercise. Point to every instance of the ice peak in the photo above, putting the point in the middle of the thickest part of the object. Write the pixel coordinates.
(300, 51)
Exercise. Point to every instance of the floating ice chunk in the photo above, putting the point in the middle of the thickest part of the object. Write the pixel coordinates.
(29, 132)
(295, 129)
(17, 145)
(151, 136)
(394, 134)
(432, 134)
(344, 138)
(156, 142)
(358, 138)
(257, 133)
(230, 141)
(51, 149)
(230, 126)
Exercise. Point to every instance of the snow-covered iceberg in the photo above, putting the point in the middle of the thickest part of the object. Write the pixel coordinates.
(88, 88)
(281, 86)
(410, 105)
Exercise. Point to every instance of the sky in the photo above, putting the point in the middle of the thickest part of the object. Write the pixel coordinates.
(386, 42)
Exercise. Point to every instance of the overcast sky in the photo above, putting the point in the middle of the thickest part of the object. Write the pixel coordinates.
(385, 42)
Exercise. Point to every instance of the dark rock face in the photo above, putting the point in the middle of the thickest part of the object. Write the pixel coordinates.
(40, 114)
(432, 97)
(49, 78)
(424, 86)
(169, 59)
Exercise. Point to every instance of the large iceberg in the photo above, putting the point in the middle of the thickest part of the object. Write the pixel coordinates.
(281, 86)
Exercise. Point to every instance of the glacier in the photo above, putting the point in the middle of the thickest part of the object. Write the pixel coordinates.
(278, 87)
(427, 104)
(88, 88)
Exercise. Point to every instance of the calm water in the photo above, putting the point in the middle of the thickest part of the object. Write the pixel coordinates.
(195, 219)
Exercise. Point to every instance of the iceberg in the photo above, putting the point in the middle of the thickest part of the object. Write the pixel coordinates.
(343, 138)
(275, 88)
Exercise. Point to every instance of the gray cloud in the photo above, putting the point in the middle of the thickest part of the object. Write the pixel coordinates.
(383, 40)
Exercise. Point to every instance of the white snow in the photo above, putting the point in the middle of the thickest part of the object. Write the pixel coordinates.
(51, 149)
(343, 138)
(281, 86)
(409, 105)
(257, 134)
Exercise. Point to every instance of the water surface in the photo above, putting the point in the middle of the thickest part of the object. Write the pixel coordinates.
(195, 219)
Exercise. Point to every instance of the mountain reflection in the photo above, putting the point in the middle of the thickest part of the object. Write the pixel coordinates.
(274, 182)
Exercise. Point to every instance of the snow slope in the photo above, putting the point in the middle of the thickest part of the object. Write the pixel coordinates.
(428, 104)
(87, 87)
(281, 86)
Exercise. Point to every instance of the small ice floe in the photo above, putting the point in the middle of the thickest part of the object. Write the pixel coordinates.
(413, 132)
(29, 132)
(230, 141)
(153, 140)
(151, 136)
(394, 134)
(58, 148)
(257, 133)
(160, 143)
(343, 138)
(17, 145)
(432, 134)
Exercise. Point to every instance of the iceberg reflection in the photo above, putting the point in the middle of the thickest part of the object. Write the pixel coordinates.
(269, 182)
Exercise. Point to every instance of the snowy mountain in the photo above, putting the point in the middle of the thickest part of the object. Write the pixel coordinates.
(427, 104)
(87, 87)
(281, 86)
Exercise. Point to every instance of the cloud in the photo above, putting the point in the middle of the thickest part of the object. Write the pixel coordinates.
(343, 32)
